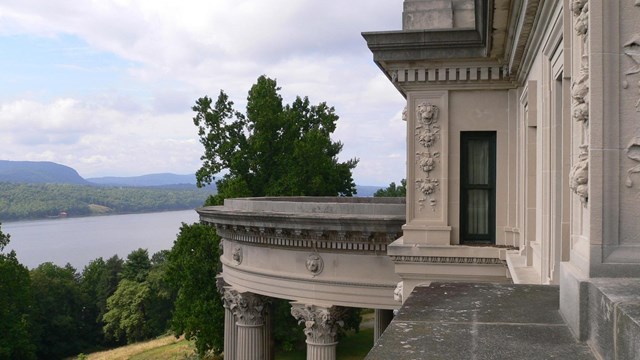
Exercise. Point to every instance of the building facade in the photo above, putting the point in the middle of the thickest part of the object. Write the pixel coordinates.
(523, 120)
(523, 166)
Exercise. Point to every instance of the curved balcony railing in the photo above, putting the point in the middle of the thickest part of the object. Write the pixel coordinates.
(322, 249)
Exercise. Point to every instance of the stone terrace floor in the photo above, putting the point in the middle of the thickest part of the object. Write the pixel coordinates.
(479, 321)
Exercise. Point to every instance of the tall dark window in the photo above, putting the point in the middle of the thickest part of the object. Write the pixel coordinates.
(478, 187)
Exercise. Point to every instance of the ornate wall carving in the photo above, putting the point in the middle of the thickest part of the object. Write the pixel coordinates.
(632, 49)
(633, 153)
(579, 174)
(397, 292)
(314, 264)
(237, 255)
(320, 323)
(427, 133)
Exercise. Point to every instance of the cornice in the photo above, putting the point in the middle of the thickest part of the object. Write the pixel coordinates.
(359, 241)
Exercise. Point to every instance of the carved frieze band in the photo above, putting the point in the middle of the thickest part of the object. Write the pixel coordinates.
(321, 324)
(427, 135)
(579, 173)
(356, 241)
(451, 74)
(447, 260)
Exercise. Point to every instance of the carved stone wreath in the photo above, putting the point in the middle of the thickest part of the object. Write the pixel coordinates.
(427, 133)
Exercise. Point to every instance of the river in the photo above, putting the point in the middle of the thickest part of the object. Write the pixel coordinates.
(80, 240)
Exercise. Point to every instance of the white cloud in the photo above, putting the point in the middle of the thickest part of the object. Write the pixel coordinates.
(180, 50)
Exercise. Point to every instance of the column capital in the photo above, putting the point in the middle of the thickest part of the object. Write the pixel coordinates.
(321, 323)
(248, 308)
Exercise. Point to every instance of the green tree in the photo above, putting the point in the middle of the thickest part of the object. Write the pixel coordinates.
(126, 317)
(393, 190)
(89, 286)
(141, 306)
(58, 324)
(15, 302)
(192, 266)
(137, 266)
(163, 296)
(108, 283)
(273, 150)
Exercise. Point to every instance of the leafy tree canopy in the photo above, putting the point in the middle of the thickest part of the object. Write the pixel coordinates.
(137, 266)
(58, 324)
(15, 302)
(126, 317)
(192, 266)
(273, 149)
(393, 190)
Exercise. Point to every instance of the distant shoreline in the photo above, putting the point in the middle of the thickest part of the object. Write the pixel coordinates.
(69, 217)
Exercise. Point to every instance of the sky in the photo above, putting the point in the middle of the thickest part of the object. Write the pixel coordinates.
(106, 86)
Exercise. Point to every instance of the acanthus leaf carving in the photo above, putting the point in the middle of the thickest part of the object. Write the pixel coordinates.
(248, 308)
(320, 323)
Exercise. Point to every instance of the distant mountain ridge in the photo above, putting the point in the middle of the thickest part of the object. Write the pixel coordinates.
(46, 172)
(39, 172)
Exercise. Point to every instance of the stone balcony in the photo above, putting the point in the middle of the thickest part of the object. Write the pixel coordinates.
(329, 250)
(322, 254)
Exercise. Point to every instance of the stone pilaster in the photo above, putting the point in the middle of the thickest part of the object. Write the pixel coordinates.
(321, 326)
(382, 320)
(248, 310)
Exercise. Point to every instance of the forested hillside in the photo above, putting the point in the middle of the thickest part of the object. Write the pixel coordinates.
(36, 201)
(38, 172)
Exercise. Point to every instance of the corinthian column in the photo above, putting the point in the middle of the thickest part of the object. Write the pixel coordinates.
(249, 312)
(321, 328)
(229, 297)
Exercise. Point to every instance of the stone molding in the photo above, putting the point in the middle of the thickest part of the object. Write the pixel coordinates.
(452, 74)
(321, 324)
(339, 241)
(447, 260)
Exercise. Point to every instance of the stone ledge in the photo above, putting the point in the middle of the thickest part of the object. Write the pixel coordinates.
(614, 317)
(479, 321)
